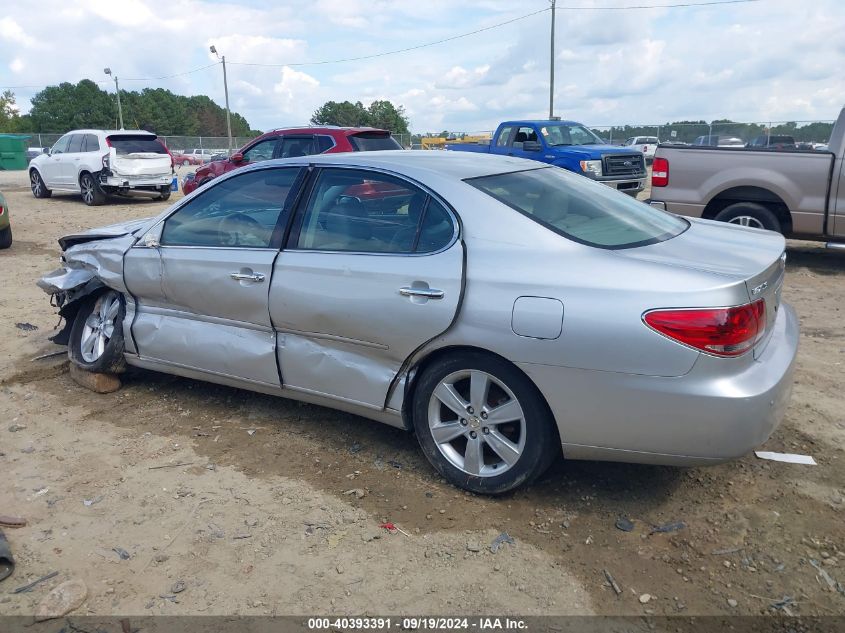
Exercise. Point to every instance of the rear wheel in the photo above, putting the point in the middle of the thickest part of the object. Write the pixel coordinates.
(96, 338)
(36, 183)
(164, 193)
(482, 423)
(6, 237)
(749, 214)
(92, 194)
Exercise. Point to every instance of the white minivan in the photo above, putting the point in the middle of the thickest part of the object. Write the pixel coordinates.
(99, 163)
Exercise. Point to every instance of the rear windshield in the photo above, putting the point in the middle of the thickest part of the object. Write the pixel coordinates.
(580, 209)
(372, 141)
(136, 143)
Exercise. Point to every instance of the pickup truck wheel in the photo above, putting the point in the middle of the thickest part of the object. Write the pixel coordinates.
(749, 214)
(92, 194)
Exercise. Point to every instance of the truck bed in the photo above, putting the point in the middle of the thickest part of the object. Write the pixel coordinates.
(698, 175)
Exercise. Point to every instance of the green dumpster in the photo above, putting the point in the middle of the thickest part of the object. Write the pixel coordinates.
(13, 151)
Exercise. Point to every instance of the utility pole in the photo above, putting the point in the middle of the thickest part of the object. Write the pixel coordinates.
(552, 67)
(226, 91)
(117, 90)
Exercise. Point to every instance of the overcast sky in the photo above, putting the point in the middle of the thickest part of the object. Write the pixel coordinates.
(761, 61)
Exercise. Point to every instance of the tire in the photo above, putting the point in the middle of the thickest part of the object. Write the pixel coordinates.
(528, 441)
(165, 193)
(92, 194)
(6, 237)
(750, 214)
(185, 163)
(98, 317)
(36, 184)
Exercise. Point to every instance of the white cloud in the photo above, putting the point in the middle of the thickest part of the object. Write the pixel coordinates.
(747, 62)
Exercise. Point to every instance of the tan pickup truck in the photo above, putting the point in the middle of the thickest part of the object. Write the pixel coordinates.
(798, 193)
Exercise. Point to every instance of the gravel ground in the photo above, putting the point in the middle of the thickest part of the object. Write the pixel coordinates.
(262, 505)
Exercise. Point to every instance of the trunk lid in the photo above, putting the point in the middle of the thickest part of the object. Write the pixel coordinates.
(754, 257)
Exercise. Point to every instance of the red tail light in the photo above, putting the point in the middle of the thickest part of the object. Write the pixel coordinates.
(719, 331)
(2, 210)
(660, 172)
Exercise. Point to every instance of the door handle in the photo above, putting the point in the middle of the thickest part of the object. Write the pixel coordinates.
(428, 293)
(247, 277)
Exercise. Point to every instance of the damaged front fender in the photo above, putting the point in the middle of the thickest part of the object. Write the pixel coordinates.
(87, 267)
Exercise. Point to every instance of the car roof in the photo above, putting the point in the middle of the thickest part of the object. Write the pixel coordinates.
(456, 165)
(108, 132)
(540, 122)
(347, 131)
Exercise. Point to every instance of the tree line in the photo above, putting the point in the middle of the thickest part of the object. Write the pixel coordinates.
(57, 109)
(688, 131)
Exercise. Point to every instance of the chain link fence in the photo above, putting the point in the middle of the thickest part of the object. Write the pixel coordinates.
(700, 132)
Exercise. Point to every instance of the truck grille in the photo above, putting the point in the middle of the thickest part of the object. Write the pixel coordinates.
(624, 165)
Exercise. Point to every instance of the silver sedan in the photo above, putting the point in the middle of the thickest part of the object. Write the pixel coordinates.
(505, 311)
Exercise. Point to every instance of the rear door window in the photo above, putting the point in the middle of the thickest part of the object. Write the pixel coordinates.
(75, 144)
(362, 211)
(125, 144)
(294, 146)
(504, 136)
(91, 143)
(579, 209)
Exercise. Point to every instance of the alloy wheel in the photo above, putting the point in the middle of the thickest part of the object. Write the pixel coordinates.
(477, 423)
(747, 220)
(87, 189)
(99, 327)
(35, 184)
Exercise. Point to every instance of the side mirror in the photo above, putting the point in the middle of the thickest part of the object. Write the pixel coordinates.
(237, 157)
(45, 150)
(531, 146)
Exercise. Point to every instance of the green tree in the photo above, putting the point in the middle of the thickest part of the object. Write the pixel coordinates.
(381, 114)
(384, 115)
(342, 113)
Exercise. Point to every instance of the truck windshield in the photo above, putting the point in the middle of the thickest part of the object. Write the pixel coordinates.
(580, 209)
(557, 134)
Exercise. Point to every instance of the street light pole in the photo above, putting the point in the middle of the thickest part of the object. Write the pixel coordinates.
(226, 91)
(117, 90)
(552, 66)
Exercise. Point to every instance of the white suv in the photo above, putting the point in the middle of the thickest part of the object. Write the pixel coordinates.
(97, 163)
(644, 144)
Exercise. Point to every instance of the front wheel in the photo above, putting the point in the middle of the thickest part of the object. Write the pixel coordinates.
(36, 184)
(749, 214)
(92, 193)
(185, 163)
(96, 338)
(482, 423)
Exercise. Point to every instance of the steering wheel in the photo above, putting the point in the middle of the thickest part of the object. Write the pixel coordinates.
(231, 226)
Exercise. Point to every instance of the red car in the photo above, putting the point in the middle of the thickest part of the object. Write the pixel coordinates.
(186, 159)
(290, 142)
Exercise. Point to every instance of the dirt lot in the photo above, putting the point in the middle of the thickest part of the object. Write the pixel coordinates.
(242, 496)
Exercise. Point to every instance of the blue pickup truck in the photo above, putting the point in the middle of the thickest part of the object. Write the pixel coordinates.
(569, 145)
